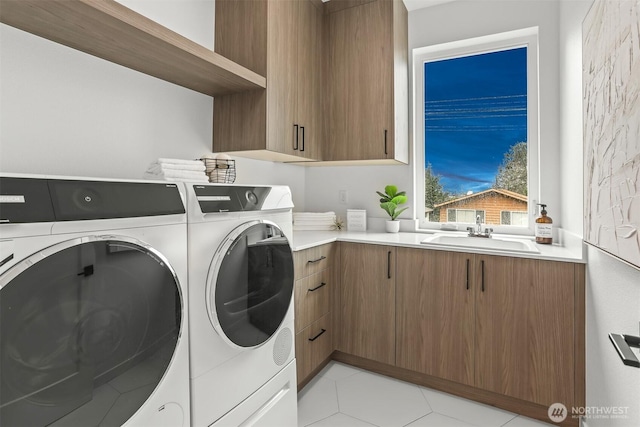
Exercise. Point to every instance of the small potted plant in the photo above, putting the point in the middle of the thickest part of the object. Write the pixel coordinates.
(389, 202)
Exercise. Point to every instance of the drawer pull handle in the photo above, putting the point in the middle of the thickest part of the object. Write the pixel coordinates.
(322, 331)
(313, 261)
(317, 287)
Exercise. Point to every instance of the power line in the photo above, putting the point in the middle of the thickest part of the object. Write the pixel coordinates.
(476, 99)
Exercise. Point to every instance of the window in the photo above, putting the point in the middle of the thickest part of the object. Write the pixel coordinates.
(464, 215)
(476, 130)
(514, 218)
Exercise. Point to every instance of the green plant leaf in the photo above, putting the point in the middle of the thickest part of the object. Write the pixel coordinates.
(397, 213)
(400, 199)
(383, 197)
(391, 191)
(389, 208)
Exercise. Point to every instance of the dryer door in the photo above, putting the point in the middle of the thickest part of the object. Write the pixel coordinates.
(250, 284)
(88, 328)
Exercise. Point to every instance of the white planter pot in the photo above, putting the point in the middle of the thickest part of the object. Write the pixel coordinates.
(392, 226)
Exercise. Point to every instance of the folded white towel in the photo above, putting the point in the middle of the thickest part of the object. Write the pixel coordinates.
(314, 221)
(313, 224)
(314, 215)
(304, 219)
(178, 161)
(162, 177)
(160, 167)
(312, 227)
(175, 173)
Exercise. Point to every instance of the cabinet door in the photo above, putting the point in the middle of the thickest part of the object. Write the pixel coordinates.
(524, 329)
(361, 68)
(434, 313)
(367, 301)
(309, 85)
(282, 48)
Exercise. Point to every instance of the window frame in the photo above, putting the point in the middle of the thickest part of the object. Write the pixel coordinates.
(510, 216)
(476, 212)
(528, 38)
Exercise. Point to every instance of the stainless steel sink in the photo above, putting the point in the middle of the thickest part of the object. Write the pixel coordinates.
(497, 244)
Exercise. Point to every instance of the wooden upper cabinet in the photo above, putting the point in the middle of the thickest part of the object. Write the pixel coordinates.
(367, 301)
(310, 83)
(283, 40)
(368, 83)
(435, 314)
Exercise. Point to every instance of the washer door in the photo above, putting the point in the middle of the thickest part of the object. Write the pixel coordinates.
(250, 284)
(88, 328)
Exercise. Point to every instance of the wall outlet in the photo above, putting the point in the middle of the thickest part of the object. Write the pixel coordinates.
(343, 197)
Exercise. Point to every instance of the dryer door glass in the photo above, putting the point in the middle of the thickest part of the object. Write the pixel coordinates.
(253, 285)
(87, 331)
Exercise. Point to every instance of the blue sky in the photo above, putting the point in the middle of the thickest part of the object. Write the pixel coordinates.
(475, 109)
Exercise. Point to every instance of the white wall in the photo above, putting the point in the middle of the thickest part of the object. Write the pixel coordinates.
(572, 12)
(361, 183)
(613, 288)
(613, 305)
(64, 112)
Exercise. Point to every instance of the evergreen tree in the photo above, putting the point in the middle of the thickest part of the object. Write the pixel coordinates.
(512, 173)
(434, 193)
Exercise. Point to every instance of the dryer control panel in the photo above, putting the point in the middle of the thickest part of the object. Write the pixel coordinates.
(29, 200)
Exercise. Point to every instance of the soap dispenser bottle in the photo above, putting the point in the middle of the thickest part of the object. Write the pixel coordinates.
(544, 227)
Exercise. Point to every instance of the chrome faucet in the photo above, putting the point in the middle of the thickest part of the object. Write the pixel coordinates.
(478, 230)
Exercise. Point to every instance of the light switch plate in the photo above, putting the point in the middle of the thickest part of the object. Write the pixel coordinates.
(343, 197)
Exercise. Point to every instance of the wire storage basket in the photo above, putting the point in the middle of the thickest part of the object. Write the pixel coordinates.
(220, 170)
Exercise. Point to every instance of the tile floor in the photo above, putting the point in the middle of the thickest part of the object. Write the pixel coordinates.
(344, 396)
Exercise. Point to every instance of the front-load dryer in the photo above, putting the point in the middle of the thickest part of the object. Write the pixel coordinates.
(242, 358)
(93, 303)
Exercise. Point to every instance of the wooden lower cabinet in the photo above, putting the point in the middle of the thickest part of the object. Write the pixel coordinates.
(505, 331)
(313, 346)
(367, 301)
(314, 291)
(435, 314)
(525, 329)
(500, 324)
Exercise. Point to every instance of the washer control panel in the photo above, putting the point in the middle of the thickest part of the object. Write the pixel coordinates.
(218, 198)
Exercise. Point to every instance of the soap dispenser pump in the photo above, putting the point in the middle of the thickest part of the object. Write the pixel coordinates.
(544, 227)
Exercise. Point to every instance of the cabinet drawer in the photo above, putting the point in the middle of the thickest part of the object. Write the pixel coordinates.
(312, 298)
(312, 260)
(313, 346)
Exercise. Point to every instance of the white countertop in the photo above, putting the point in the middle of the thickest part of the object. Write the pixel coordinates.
(572, 249)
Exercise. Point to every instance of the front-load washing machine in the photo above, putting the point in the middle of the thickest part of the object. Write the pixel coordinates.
(93, 304)
(242, 359)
